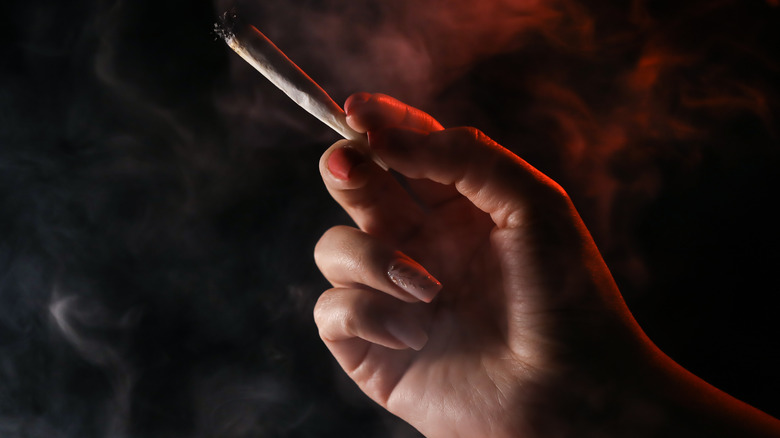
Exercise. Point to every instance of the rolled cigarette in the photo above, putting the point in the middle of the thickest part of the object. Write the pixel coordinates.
(256, 49)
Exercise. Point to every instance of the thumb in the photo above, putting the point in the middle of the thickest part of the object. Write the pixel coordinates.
(494, 179)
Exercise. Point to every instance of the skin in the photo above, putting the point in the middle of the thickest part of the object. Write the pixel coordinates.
(527, 335)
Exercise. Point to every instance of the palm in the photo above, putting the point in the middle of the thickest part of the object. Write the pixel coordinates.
(454, 243)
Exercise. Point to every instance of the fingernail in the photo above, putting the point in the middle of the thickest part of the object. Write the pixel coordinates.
(410, 334)
(356, 100)
(342, 160)
(414, 279)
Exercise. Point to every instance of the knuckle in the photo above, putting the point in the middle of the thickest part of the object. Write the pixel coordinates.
(328, 300)
(559, 200)
(323, 307)
(337, 313)
(350, 324)
(354, 310)
(468, 141)
(469, 135)
(325, 245)
(559, 192)
(319, 250)
(550, 192)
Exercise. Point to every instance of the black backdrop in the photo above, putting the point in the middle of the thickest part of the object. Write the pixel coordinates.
(159, 201)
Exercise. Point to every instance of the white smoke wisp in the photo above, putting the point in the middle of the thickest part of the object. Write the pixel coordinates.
(85, 326)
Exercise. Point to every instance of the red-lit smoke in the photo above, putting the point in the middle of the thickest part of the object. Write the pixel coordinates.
(599, 94)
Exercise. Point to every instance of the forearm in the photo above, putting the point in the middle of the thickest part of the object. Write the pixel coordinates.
(654, 398)
(693, 407)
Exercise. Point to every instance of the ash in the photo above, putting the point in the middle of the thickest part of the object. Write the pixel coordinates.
(226, 25)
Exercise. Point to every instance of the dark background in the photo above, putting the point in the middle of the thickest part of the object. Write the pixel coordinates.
(159, 201)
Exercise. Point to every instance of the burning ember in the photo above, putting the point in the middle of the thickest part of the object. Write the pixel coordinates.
(256, 49)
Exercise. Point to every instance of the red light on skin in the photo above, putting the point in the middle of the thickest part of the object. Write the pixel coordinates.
(342, 161)
(774, 3)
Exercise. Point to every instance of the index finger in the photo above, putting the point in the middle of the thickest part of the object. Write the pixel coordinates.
(372, 112)
(494, 179)
(375, 199)
(367, 112)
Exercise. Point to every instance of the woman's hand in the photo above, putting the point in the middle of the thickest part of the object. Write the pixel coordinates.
(472, 300)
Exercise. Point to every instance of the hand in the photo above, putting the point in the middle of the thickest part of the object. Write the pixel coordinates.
(525, 334)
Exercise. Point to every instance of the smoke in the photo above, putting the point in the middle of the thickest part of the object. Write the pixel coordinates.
(605, 98)
(160, 200)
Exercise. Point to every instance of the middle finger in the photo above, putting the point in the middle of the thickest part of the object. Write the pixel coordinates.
(350, 258)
